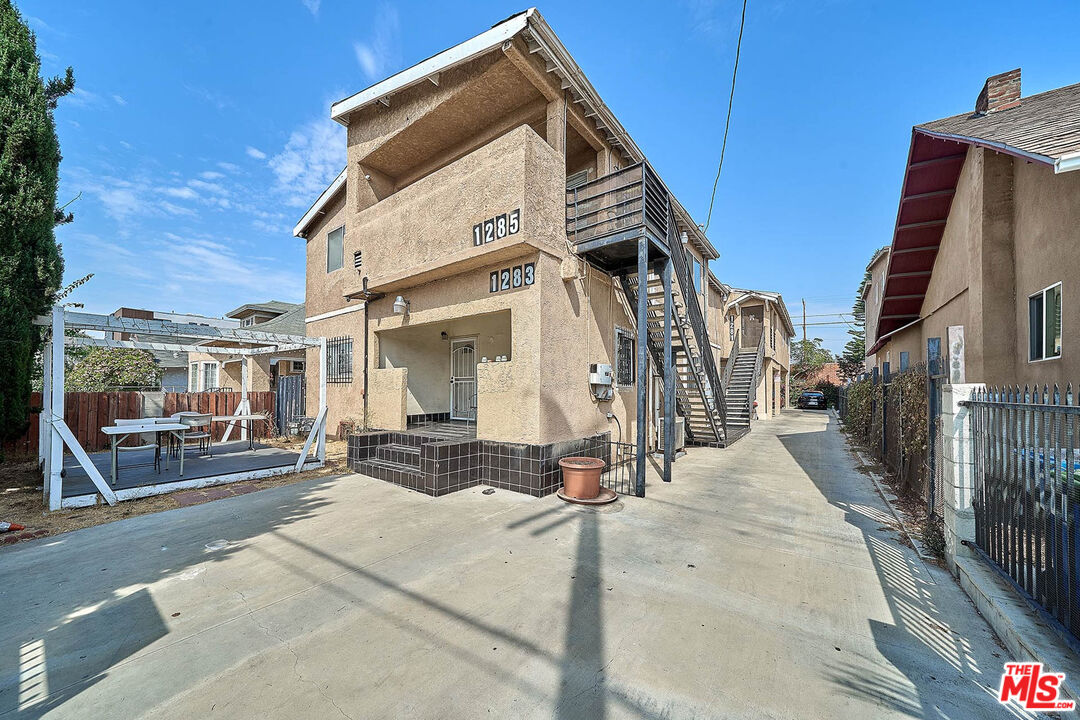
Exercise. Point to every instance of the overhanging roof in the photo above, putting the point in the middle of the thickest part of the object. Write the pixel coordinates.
(317, 208)
(541, 39)
(1043, 128)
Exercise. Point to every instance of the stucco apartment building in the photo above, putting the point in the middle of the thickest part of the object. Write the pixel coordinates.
(478, 261)
(210, 371)
(986, 236)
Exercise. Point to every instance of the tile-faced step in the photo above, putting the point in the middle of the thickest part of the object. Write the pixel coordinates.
(398, 453)
(397, 473)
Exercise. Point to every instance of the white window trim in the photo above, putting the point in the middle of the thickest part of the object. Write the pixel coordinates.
(1043, 339)
(328, 234)
(200, 374)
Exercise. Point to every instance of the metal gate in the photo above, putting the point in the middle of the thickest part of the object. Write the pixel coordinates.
(463, 380)
(291, 401)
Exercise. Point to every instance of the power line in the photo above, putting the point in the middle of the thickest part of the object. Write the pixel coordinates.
(727, 123)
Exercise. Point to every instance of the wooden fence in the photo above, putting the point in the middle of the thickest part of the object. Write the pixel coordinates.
(87, 412)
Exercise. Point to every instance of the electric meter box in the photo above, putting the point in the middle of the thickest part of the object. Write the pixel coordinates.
(601, 380)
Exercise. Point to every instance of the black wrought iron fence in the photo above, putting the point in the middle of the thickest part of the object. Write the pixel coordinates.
(619, 474)
(1027, 492)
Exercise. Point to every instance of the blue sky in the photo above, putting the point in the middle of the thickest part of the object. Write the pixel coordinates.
(200, 131)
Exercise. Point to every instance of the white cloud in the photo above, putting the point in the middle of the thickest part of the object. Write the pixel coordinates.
(255, 153)
(313, 156)
(312, 6)
(119, 202)
(119, 100)
(382, 51)
(209, 187)
(211, 175)
(82, 98)
(184, 193)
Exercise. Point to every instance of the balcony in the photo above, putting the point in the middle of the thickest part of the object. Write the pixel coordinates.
(606, 217)
(426, 231)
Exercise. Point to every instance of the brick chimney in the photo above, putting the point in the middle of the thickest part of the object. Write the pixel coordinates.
(1000, 92)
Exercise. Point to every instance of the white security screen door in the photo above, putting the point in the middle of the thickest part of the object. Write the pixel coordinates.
(463, 379)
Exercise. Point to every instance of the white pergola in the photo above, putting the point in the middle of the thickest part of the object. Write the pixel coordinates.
(54, 433)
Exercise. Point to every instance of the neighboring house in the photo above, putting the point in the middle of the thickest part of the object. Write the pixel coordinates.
(987, 231)
(829, 373)
(756, 322)
(872, 293)
(174, 365)
(445, 263)
(209, 371)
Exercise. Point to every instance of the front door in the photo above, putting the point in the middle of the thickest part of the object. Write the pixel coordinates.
(753, 321)
(463, 379)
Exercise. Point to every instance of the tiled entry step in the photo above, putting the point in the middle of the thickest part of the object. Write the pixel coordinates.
(437, 465)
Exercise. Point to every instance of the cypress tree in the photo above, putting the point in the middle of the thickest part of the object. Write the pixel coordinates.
(31, 266)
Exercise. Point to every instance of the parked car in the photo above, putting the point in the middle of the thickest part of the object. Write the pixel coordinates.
(811, 399)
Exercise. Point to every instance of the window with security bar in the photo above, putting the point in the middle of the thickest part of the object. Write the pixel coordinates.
(339, 360)
(624, 358)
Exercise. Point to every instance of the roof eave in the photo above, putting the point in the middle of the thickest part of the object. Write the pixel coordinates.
(989, 144)
(321, 202)
(458, 54)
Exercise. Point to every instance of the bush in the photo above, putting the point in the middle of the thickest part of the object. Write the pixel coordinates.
(863, 396)
(831, 392)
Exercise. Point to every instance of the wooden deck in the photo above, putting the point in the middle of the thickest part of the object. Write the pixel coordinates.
(231, 461)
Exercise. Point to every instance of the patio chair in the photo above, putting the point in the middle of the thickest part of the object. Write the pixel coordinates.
(201, 425)
(147, 441)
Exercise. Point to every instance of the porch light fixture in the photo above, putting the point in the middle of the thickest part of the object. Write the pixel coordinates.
(401, 305)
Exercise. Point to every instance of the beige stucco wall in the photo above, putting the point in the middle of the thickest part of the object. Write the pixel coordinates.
(1013, 229)
(423, 350)
(1047, 208)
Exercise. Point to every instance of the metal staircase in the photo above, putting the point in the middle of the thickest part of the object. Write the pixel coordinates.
(608, 219)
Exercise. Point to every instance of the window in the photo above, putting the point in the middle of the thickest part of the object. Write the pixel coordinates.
(1044, 324)
(624, 358)
(695, 269)
(335, 249)
(339, 360)
(209, 376)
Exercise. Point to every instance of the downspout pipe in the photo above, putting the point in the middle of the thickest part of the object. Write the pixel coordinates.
(365, 343)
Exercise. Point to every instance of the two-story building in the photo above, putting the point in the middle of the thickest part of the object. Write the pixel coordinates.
(478, 261)
(987, 229)
(757, 353)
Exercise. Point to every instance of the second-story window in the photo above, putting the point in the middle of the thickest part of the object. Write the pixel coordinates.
(335, 249)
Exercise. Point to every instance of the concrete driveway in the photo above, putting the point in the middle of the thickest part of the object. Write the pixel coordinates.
(763, 582)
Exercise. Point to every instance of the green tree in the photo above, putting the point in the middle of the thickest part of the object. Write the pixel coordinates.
(114, 368)
(852, 360)
(31, 266)
(808, 357)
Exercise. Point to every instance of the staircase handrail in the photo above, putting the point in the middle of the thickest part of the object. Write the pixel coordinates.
(759, 360)
(693, 311)
(726, 382)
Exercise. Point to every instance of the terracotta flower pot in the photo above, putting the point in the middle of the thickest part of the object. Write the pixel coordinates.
(581, 477)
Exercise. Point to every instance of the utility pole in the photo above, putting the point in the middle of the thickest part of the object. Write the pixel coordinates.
(804, 320)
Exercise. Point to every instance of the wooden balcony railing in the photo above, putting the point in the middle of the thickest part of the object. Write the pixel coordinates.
(620, 203)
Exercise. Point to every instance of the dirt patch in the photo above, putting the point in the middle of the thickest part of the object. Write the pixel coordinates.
(21, 495)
